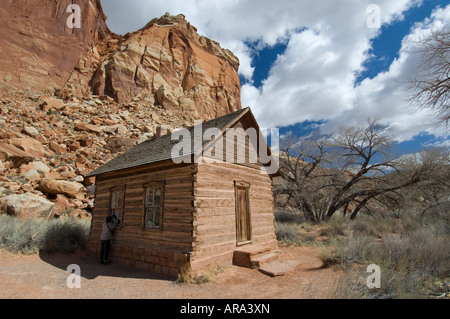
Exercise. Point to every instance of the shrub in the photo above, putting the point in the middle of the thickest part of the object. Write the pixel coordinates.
(334, 227)
(354, 248)
(22, 236)
(66, 234)
(413, 255)
(30, 236)
(287, 232)
(289, 216)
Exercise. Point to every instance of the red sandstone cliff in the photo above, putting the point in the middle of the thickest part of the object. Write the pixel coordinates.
(165, 63)
(38, 51)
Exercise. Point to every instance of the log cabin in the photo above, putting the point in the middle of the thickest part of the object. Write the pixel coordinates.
(189, 202)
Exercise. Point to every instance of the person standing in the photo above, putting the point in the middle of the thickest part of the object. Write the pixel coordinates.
(105, 239)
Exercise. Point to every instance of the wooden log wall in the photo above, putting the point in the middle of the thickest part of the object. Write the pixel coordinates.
(163, 250)
(199, 221)
(235, 147)
(215, 215)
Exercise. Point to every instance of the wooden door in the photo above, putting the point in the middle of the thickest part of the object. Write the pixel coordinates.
(243, 226)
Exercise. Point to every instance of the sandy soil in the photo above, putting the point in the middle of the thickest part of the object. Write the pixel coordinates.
(44, 276)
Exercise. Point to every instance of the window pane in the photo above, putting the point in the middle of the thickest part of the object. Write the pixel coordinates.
(157, 196)
(117, 199)
(118, 213)
(149, 197)
(114, 200)
(153, 198)
(156, 220)
(148, 216)
(120, 195)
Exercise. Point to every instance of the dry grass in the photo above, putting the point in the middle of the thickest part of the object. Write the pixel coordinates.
(413, 254)
(31, 235)
(292, 228)
(185, 276)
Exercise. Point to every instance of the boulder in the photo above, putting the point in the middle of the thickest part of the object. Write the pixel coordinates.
(74, 146)
(32, 176)
(14, 155)
(35, 165)
(78, 179)
(80, 213)
(62, 204)
(29, 145)
(52, 103)
(144, 138)
(55, 187)
(4, 179)
(155, 117)
(118, 144)
(41, 138)
(109, 122)
(53, 175)
(57, 148)
(31, 131)
(120, 129)
(25, 206)
(113, 129)
(81, 159)
(84, 127)
(26, 188)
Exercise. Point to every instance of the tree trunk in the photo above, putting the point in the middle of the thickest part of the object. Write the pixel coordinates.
(358, 208)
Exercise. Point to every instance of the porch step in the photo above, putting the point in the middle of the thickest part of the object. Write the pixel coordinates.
(254, 256)
(279, 268)
(266, 258)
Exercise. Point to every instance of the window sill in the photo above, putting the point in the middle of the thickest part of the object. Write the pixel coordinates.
(242, 243)
(152, 228)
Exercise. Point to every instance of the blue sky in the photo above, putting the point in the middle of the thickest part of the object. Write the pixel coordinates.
(311, 62)
(387, 45)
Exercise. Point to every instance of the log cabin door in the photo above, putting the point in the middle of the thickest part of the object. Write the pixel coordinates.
(243, 223)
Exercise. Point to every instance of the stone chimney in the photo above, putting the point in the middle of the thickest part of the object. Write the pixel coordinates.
(162, 130)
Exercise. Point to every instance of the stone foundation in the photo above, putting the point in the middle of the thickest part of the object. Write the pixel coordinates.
(157, 261)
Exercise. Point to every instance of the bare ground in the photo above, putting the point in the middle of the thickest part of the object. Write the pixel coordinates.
(44, 276)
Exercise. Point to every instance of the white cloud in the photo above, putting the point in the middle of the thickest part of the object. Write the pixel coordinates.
(386, 95)
(314, 78)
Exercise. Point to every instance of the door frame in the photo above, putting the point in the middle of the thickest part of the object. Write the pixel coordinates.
(246, 186)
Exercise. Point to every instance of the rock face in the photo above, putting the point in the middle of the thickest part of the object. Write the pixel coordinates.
(166, 62)
(38, 50)
(170, 63)
(73, 99)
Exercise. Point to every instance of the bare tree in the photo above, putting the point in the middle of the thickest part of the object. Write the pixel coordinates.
(344, 173)
(432, 84)
(307, 183)
(432, 192)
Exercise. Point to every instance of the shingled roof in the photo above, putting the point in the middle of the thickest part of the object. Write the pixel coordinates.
(160, 149)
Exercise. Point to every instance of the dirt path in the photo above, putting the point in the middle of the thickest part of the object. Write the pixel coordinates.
(44, 276)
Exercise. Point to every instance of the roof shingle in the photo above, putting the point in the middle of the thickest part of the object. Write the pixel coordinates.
(160, 149)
